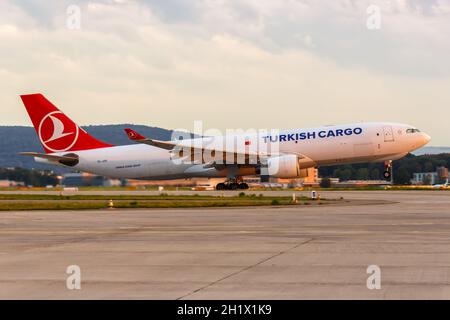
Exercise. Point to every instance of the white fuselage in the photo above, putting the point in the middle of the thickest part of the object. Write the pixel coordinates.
(330, 145)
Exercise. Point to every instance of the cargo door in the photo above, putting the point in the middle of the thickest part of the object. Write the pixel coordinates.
(388, 134)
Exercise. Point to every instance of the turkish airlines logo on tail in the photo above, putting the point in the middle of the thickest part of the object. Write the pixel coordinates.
(131, 135)
(56, 133)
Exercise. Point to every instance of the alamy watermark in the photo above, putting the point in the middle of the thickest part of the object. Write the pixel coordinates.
(73, 281)
(374, 280)
(73, 20)
(234, 146)
(373, 21)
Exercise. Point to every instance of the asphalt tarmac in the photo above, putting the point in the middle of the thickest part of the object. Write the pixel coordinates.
(294, 252)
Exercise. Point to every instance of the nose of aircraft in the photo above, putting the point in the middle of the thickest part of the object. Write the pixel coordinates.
(425, 138)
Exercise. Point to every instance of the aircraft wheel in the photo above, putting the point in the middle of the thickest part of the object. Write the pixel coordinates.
(221, 186)
(234, 186)
(243, 186)
(387, 175)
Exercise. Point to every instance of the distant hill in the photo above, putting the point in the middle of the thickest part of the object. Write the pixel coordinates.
(14, 139)
(431, 150)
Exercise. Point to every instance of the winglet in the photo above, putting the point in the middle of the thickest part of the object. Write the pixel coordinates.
(133, 135)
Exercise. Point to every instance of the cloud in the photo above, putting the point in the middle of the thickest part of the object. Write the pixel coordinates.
(410, 30)
(413, 39)
(231, 64)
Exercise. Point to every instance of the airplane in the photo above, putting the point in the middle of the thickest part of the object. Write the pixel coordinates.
(441, 186)
(280, 154)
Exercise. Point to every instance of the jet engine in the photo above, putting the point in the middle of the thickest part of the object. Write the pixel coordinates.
(285, 167)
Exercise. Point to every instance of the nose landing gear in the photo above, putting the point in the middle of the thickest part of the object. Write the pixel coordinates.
(232, 184)
(387, 174)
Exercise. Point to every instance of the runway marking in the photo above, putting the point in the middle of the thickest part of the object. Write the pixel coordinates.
(246, 268)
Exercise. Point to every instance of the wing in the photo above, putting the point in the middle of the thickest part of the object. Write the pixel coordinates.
(247, 158)
(183, 149)
(70, 159)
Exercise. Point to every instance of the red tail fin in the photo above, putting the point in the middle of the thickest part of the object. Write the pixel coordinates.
(55, 130)
(133, 135)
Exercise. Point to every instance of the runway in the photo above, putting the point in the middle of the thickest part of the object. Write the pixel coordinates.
(294, 252)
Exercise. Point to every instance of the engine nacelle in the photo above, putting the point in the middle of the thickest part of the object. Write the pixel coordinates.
(285, 167)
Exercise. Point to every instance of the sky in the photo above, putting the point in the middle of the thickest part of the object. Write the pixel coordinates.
(230, 64)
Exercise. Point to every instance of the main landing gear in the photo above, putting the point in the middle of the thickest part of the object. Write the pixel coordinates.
(387, 174)
(232, 184)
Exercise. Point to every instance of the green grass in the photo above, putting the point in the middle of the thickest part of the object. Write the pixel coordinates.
(21, 206)
(83, 202)
(306, 189)
(241, 196)
(83, 205)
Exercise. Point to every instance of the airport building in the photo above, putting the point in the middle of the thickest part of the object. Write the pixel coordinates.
(430, 178)
(425, 178)
(442, 173)
(87, 180)
(312, 179)
(9, 184)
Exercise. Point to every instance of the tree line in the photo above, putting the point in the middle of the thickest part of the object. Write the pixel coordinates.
(36, 178)
(403, 168)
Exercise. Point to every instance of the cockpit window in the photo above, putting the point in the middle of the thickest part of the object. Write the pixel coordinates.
(412, 130)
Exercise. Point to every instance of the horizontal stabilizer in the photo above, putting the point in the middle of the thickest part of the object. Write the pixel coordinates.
(70, 159)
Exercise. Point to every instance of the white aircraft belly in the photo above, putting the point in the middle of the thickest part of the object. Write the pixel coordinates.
(134, 161)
